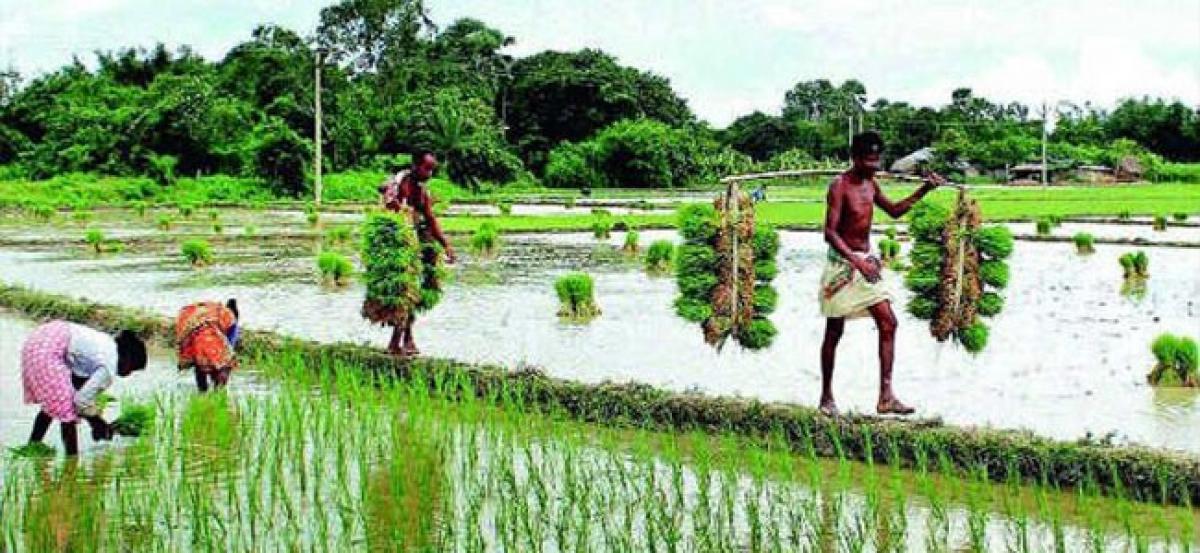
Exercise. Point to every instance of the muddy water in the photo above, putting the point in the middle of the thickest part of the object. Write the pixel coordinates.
(1068, 356)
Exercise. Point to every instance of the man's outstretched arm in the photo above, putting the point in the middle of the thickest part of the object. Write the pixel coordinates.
(897, 209)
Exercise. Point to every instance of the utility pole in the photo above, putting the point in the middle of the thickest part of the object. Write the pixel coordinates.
(849, 132)
(317, 127)
(1045, 122)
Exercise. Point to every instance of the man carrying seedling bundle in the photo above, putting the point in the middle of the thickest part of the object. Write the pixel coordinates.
(407, 193)
(850, 284)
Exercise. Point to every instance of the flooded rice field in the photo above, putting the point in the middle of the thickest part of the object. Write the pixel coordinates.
(1067, 342)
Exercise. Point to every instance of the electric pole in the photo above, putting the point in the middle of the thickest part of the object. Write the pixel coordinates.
(317, 127)
(1045, 123)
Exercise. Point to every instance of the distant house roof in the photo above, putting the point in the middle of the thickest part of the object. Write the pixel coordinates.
(910, 162)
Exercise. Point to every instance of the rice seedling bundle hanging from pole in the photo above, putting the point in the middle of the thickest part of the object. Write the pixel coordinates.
(392, 269)
(957, 271)
(724, 270)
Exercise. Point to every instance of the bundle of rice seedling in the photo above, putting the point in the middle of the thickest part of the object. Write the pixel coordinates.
(1135, 264)
(724, 270)
(631, 242)
(392, 269)
(1179, 216)
(34, 450)
(335, 269)
(486, 240)
(1085, 243)
(658, 256)
(957, 270)
(135, 419)
(576, 297)
(1176, 363)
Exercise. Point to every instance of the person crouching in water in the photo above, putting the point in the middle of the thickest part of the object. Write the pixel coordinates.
(207, 335)
(64, 368)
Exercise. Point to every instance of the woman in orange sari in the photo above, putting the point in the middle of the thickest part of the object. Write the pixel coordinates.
(207, 334)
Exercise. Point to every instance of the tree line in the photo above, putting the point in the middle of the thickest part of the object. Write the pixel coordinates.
(392, 80)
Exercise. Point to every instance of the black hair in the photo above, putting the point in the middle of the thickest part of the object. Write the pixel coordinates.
(419, 154)
(131, 350)
(864, 143)
(232, 305)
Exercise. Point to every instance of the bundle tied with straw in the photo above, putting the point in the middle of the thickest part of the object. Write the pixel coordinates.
(957, 270)
(724, 270)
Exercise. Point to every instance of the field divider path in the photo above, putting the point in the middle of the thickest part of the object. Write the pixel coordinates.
(1135, 472)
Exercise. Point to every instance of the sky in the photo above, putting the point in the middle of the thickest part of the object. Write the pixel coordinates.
(726, 57)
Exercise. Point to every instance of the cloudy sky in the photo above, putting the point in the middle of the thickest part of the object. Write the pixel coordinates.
(727, 57)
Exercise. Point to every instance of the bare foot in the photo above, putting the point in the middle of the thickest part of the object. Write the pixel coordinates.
(829, 408)
(891, 405)
(396, 350)
(411, 350)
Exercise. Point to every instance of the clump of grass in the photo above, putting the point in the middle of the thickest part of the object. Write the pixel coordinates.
(135, 419)
(659, 255)
(1177, 358)
(139, 207)
(164, 222)
(1160, 222)
(1179, 216)
(218, 228)
(334, 268)
(576, 297)
(313, 218)
(338, 235)
(505, 207)
(197, 252)
(186, 210)
(1125, 215)
(1084, 243)
(486, 239)
(34, 450)
(214, 215)
(631, 245)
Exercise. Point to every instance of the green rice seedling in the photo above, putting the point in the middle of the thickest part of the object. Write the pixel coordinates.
(974, 337)
(218, 228)
(33, 450)
(1160, 222)
(1043, 227)
(569, 203)
(186, 210)
(313, 218)
(43, 212)
(135, 419)
(922, 307)
(486, 239)
(139, 207)
(505, 207)
(1176, 361)
(1055, 220)
(1125, 215)
(990, 304)
(923, 279)
(197, 252)
(994, 274)
(759, 333)
(631, 245)
(890, 233)
(994, 242)
(889, 250)
(1179, 216)
(1141, 264)
(1126, 261)
(82, 217)
(338, 235)
(698, 223)
(335, 269)
(95, 239)
(659, 256)
(250, 230)
(766, 299)
(576, 297)
(165, 222)
(693, 310)
(927, 221)
(602, 227)
(214, 215)
(1084, 243)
